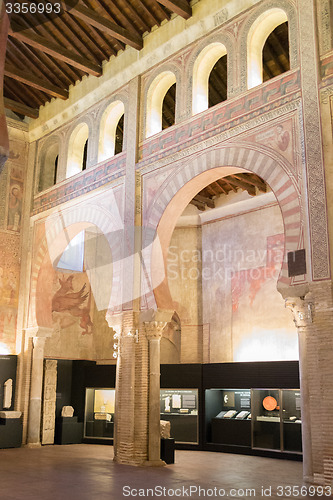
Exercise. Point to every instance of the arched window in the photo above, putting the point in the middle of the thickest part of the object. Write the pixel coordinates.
(111, 131)
(209, 77)
(161, 103)
(49, 167)
(268, 47)
(77, 150)
(169, 108)
(275, 54)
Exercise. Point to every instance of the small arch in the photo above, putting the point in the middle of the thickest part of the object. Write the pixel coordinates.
(77, 150)
(202, 70)
(155, 99)
(258, 34)
(169, 108)
(111, 131)
(49, 167)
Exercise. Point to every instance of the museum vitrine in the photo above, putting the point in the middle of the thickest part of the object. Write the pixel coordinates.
(276, 419)
(180, 408)
(229, 411)
(99, 413)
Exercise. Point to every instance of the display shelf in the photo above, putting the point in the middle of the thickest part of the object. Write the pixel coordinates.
(99, 413)
(180, 408)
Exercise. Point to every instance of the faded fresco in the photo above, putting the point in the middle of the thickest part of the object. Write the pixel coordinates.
(251, 322)
(12, 186)
(15, 196)
(72, 316)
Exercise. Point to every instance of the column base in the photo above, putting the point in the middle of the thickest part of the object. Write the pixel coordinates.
(32, 445)
(154, 463)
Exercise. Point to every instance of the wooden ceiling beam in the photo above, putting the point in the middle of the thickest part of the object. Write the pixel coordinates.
(35, 82)
(225, 181)
(201, 206)
(38, 42)
(262, 186)
(204, 199)
(247, 187)
(180, 7)
(20, 108)
(91, 17)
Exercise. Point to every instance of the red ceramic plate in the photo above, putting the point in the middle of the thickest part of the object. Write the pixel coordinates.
(269, 403)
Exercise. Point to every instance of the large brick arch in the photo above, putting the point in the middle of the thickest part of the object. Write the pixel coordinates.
(192, 175)
(61, 228)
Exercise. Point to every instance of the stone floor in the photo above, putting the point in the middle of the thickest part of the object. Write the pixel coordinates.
(87, 472)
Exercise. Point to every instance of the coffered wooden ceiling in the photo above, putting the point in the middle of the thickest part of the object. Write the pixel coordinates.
(46, 52)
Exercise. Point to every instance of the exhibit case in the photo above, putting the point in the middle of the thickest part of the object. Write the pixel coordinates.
(180, 408)
(99, 413)
(230, 416)
(276, 419)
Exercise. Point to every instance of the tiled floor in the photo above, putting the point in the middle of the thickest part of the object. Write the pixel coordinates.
(87, 472)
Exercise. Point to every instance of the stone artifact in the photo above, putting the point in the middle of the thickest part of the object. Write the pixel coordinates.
(165, 429)
(8, 393)
(67, 411)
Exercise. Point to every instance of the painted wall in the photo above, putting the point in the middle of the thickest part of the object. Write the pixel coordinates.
(241, 261)
(184, 278)
(12, 181)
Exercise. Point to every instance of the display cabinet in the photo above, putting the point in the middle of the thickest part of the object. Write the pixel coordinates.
(230, 416)
(180, 408)
(99, 413)
(276, 419)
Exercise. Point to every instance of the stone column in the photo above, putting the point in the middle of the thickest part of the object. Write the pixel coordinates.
(35, 401)
(154, 331)
(4, 141)
(49, 401)
(314, 319)
(302, 314)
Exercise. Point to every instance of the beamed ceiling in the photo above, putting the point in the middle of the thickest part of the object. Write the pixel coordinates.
(249, 182)
(46, 53)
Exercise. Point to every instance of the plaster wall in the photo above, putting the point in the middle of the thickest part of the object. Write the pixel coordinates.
(242, 309)
(184, 278)
(12, 191)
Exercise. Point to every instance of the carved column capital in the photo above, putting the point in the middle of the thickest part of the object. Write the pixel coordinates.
(302, 309)
(154, 329)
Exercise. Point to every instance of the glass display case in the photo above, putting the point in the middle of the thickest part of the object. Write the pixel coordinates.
(180, 408)
(99, 413)
(292, 423)
(276, 419)
(228, 416)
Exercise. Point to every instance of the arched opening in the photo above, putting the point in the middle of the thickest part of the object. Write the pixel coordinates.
(169, 108)
(217, 82)
(209, 77)
(222, 266)
(77, 150)
(111, 131)
(267, 47)
(275, 53)
(118, 148)
(49, 168)
(160, 104)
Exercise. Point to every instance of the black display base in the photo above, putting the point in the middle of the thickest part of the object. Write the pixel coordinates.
(231, 432)
(245, 450)
(68, 431)
(10, 432)
(168, 450)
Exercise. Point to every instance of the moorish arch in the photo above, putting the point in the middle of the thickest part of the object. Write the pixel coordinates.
(189, 178)
(61, 229)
